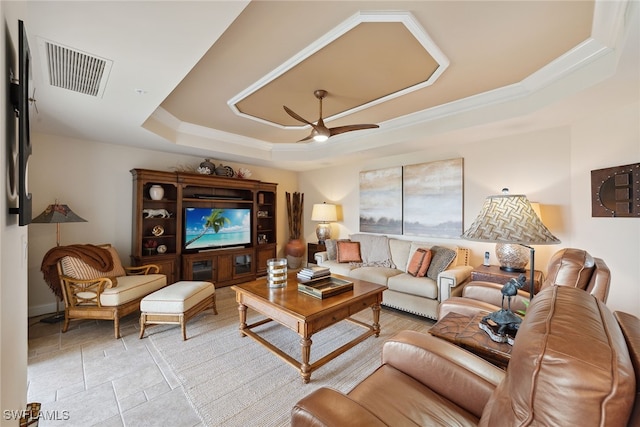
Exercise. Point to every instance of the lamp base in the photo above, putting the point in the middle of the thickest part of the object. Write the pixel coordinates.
(512, 269)
(512, 257)
(323, 232)
(56, 318)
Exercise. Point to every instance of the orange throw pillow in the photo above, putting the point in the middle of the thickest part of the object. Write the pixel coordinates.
(416, 262)
(348, 251)
(426, 262)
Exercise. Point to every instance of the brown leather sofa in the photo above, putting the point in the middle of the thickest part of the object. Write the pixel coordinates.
(573, 363)
(567, 267)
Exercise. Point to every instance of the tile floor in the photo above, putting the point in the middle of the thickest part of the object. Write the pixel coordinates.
(85, 377)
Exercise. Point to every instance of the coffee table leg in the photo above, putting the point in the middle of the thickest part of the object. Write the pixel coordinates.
(305, 367)
(376, 319)
(242, 311)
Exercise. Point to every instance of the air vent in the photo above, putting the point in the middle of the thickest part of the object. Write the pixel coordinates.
(75, 70)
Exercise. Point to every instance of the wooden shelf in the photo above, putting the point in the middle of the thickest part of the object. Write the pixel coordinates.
(225, 266)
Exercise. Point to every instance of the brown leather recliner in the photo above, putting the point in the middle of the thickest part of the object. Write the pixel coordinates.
(567, 267)
(573, 363)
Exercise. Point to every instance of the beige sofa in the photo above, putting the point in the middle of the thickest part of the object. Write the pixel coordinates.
(384, 260)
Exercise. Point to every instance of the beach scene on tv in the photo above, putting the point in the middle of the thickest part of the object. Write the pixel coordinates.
(214, 228)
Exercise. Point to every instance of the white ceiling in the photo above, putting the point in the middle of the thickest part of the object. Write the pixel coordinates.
(514, 66)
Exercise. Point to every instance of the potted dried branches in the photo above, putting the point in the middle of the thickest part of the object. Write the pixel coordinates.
(295, 246)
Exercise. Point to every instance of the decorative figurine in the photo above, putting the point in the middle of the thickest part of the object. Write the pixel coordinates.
(504, 319)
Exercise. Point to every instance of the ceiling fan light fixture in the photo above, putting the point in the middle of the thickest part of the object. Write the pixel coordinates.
(320, 132)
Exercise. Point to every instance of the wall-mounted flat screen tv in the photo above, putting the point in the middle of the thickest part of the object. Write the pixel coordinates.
(209, 228)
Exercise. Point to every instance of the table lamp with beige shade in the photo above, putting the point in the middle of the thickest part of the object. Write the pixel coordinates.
(324, 213)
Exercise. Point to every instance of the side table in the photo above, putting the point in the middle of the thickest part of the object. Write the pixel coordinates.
(312, 248)
(493, 274)
(464, 332)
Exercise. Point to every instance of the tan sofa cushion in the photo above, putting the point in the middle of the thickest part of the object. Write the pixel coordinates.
(419, 286)
(378, 275)
(132, 287)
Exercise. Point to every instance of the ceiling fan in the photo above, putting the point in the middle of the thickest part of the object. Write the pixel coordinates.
(320, 132)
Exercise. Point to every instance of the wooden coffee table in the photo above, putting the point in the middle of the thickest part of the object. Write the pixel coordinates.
(307, 315)
(464, 331)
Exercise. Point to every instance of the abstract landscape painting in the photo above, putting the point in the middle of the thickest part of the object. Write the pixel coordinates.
(433, 199)
(381, 201)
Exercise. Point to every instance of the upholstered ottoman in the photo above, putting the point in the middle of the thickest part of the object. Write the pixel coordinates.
(176, 304)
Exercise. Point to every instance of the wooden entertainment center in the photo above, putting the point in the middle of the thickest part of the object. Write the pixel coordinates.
(158, 226)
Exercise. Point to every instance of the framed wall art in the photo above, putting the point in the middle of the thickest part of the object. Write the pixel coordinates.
(381, 201)
(433, 199)
(615, 192)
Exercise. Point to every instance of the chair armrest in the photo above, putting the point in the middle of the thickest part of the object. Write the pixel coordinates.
(449, 370)
(449, 279)
(328, 407)
(491, 293)
(466, 306)
(107, 282)
(321, 257)
(84, 291)
(142, 270)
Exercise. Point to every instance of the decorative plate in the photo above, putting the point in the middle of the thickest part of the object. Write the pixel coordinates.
(224, 171)
(158, 230)
(161, 249)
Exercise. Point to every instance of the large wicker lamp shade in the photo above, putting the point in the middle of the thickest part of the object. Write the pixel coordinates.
(510, 219)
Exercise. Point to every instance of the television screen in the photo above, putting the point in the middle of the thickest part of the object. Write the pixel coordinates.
(216, 228)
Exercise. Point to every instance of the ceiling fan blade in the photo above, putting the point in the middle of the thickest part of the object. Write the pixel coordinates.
(308, 138)
(296, 116)
(342, 129)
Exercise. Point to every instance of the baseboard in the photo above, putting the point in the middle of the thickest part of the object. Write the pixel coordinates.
(39, 310)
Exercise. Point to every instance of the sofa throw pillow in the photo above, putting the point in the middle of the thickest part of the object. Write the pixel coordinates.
(332, 249)
(441, 258)
(374, 250)
(330, 246)
(348, 251)
(426, 262)
(415, 262)
(78, 269)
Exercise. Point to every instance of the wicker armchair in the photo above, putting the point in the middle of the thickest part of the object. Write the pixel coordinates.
(89, 293)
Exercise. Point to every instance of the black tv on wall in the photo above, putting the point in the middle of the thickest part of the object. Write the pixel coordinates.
(20, 98)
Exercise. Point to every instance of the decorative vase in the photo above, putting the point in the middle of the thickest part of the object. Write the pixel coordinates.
(295, 251)
(277, 272)
(156, 192)
(209, 165)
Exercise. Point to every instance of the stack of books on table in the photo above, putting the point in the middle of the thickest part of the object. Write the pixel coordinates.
(312, 274)
(325, 287)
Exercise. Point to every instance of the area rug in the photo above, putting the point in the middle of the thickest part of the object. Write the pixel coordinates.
(234, 381)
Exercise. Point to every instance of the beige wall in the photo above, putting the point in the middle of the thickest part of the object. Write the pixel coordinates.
(94, 180)
(551, 167)
(13, 249)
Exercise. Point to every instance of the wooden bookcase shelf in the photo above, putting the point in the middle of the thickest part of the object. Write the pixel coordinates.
(164, 227)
